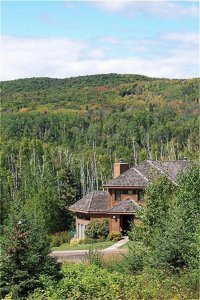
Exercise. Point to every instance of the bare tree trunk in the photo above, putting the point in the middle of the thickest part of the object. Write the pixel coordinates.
(96, 171)
(161, 150)
(168, 151)
(148, 146)
(82, 174)
(135, 155)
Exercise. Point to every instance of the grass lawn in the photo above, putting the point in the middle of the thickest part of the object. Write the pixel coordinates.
(125, 246)
(98, 246)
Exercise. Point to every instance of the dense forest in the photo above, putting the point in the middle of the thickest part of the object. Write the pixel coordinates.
(61, 136)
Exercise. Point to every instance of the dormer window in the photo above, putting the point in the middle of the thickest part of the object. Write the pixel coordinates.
(118, 195)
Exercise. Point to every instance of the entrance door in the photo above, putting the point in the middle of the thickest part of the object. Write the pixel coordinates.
(126, 223)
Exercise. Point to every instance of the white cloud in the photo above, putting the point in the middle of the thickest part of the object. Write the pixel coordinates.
(52, 57)
(161, 8)
(183, 37)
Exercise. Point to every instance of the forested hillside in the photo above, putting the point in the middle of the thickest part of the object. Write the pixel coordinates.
(60, 137)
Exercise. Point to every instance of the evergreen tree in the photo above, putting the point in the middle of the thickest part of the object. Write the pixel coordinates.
(25, 255)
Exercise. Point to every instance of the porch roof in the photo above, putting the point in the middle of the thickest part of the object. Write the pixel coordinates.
(126, 206)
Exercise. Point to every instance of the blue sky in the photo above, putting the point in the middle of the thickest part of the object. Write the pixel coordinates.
(70, 38)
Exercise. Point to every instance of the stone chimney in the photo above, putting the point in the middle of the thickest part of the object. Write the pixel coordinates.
(120, 167)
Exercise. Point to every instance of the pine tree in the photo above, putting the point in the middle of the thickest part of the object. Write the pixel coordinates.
(25, 255)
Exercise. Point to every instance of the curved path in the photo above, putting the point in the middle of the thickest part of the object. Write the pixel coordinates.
(79, 255)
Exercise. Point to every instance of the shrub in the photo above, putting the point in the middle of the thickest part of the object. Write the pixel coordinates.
(90, 241)
(94, 257)
(74, 242)
(82, 281)
(59, 238)
(97, 229)
(114, 236)
(136, 234)
(55, 241)
(134, 260)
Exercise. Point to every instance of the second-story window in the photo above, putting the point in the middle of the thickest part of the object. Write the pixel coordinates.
(129, 192)
(118, 195)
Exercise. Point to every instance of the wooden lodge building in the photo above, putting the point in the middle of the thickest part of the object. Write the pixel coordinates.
(123, 197)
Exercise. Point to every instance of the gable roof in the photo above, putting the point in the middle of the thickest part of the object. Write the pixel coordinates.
(137, 176)
(96, 201)
(142, 174)
(126, 206)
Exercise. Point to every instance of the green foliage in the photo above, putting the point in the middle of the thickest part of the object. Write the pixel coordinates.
(94, 283)
(159, 199)
(177, 248)
(88, 240)
(59, 238)
(94, 257)
(97, 229)
(59, 140)
(25, 255)
(43, 177)
(170, 223)
(137, 233)
(114, 236)
(135, 261)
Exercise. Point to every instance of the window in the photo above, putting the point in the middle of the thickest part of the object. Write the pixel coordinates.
(129, 192)
(118, 195)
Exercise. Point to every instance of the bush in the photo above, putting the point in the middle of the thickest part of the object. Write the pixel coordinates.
(82, 281)
(75, 242)
(136, 234)
(59, 238)
(94, 257)
(90, 241)
(134, 261)
(114, 236)
(97, 229)
(55, 241)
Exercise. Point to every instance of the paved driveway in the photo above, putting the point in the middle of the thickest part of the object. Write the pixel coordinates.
(80, 255)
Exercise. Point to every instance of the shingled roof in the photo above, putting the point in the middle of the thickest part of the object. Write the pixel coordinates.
(126, 206)
(137, 176)
(96, 201)
(142, 174)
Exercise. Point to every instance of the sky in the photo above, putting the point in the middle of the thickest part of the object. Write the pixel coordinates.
(60, 39)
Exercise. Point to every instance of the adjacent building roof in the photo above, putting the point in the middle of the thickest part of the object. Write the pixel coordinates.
(96, 201)
(126, 206)
(142, 174)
